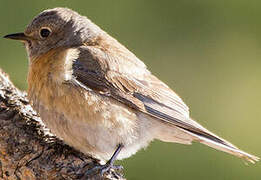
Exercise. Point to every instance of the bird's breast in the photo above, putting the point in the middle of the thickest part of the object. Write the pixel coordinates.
(86, 120)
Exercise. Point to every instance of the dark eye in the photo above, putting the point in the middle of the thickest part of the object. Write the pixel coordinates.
(44, 32)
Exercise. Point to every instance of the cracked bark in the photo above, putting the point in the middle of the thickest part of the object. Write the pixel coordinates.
(29, 151)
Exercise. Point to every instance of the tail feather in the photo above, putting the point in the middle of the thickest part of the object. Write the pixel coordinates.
(222, 145)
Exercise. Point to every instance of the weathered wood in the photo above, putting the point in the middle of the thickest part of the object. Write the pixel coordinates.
(29, 151)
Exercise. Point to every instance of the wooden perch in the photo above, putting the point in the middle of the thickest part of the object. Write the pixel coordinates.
(29, 151)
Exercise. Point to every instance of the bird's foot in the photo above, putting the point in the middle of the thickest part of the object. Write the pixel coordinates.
(107, 168)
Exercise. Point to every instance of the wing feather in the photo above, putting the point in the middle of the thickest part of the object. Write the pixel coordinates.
(125, 78)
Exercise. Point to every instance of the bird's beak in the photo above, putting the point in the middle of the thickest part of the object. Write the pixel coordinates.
(17, 36)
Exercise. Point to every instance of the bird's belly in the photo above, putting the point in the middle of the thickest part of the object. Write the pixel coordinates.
(94, 124)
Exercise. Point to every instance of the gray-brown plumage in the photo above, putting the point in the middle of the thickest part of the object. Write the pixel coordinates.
(95, 94)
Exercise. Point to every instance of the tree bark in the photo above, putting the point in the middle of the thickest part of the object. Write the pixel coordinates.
(29, 151)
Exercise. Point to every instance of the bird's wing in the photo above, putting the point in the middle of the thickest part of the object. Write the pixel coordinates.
(128, 81)
(125, 78)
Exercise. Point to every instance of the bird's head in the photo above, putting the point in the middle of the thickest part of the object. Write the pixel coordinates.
(56, 28)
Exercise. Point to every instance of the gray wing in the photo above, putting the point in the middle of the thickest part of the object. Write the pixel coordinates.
(112, 75)
(125, 78)
(122, 76)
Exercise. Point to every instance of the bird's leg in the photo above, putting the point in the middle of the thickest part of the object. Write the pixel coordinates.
(110, 164)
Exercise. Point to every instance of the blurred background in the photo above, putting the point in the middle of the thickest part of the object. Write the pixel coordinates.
(209, 52)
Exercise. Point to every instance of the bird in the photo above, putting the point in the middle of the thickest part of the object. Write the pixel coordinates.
(98, 97)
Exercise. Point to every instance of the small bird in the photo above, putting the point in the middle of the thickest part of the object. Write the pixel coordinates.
(98, 97)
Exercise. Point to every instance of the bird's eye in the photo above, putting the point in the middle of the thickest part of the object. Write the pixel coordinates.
(45, 32)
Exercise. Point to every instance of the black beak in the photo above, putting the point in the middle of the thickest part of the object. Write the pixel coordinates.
(17, 36)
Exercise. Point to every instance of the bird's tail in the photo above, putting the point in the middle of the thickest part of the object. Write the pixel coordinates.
(216, 142)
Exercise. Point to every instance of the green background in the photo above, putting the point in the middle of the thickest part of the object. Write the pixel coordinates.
(207, 51)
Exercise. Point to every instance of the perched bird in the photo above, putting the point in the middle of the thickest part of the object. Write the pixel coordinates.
(98, 97)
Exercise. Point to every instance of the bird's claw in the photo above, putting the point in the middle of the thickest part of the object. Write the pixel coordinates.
(104, 169)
